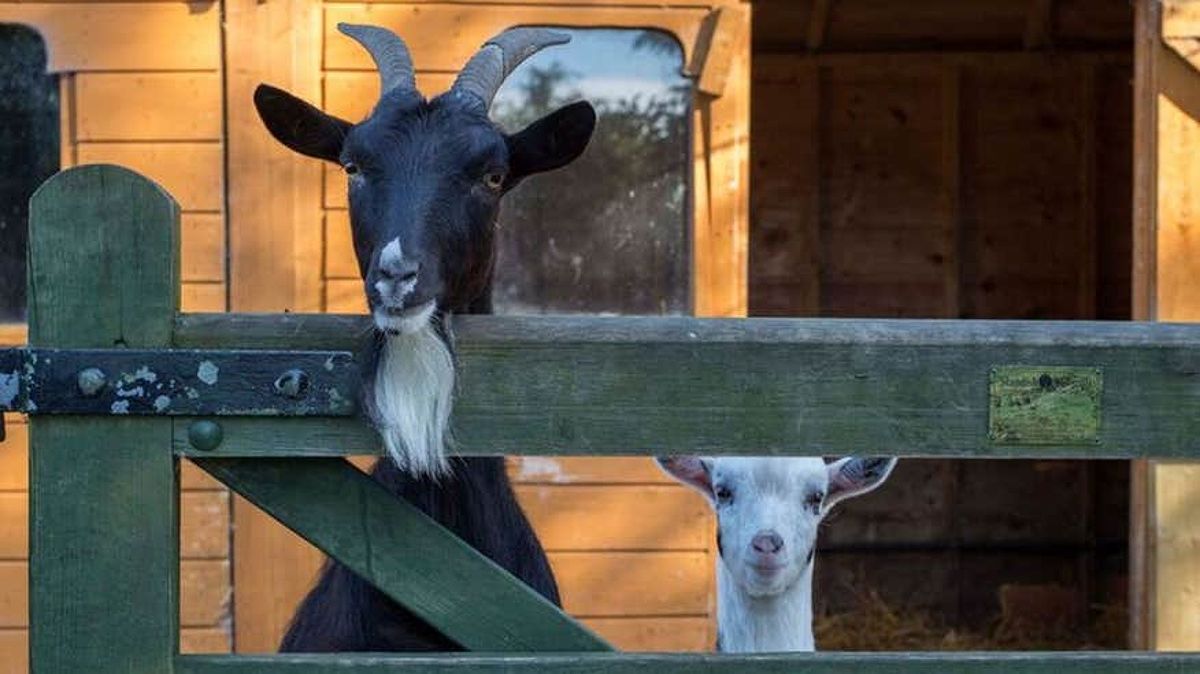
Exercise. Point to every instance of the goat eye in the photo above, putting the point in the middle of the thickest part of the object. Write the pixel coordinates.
(724, 495)
(351, 168)
(813, 501)
(494, 180)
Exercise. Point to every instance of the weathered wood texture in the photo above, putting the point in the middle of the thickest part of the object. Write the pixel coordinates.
(1171, 96)
(912, 388)
(186, 382)
(966, 663)
(910, 186)
(936, 159)
(405, 554)
(872, 25)
(104, 272)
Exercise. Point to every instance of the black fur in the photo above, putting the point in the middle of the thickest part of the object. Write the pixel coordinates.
(346, 613)
(429, 174)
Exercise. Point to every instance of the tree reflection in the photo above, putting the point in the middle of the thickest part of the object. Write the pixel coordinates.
(608, 233)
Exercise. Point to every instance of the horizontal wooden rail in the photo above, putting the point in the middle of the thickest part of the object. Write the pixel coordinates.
(621, 386)
(808, 663)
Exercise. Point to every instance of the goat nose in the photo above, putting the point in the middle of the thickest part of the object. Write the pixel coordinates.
(404, 271)
(767, 542)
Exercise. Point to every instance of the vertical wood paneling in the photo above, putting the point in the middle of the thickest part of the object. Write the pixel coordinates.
(275, 251)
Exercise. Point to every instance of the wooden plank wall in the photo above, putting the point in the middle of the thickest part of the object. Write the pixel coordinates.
(940, 159)
(141, 86)
(909, 185)
(1169, 136)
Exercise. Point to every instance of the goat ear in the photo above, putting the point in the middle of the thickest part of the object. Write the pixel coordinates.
(854, 476)
(551, 142)
(693, 471)
(298, 125)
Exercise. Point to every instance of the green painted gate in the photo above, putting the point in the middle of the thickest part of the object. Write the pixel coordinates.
(120, 385)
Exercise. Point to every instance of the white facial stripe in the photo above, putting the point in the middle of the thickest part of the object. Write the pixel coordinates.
(391, 255)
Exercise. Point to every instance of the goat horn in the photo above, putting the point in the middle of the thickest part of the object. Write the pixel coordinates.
(389, 53)
(482, 76)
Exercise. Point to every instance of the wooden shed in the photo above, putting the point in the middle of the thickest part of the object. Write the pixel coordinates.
(930, 159)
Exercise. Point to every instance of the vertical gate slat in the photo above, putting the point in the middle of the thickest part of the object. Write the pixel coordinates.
(103, 272)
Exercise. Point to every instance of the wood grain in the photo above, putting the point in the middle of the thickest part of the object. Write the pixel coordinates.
(14, 594)
(204, 524)
(148, 106)
(203, 255)
(14, 456)
(666, 634)
(824, 663)
(631, 518)
(104, 272)
(572, 385)
(203, 297)
(206, 591)
(189, 171)
(14, 651)
(654, 583)
(112, 36)
(14, 526)
(405, 554)
(205, 640)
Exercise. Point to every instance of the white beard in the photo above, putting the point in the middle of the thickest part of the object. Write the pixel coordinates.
(414, 390)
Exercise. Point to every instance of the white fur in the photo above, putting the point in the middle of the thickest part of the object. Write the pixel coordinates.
(414, 387)
(391, 255)
(764, 600)
(767, 624)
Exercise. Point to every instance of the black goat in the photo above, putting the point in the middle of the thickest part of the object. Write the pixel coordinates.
(425, 178)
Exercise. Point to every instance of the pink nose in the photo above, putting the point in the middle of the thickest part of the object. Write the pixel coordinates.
(767, 542)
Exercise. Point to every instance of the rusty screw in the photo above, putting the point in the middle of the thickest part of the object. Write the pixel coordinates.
(292, 384)
(92, 381)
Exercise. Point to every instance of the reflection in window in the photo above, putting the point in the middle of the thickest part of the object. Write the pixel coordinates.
(608, 233)
(28, 152)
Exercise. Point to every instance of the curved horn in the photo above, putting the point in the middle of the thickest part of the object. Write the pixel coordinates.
(482, 76)
(389, 53)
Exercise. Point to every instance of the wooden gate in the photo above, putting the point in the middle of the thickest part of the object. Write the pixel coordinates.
(120, 385)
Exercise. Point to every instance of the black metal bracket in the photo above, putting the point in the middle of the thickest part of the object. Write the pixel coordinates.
(173, 382)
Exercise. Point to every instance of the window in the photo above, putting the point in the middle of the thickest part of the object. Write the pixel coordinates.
(610, 232)
(28, 152)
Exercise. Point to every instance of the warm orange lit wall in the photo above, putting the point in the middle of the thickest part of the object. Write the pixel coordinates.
(141, 86)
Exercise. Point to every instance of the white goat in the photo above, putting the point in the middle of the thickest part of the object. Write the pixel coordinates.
(768, 511)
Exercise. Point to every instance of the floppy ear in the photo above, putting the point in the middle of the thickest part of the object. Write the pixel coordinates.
(299, 125)
(693, 471)
(551, 142)
(854, 476)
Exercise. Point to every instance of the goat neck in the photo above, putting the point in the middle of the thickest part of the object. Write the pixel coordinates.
(774, 623)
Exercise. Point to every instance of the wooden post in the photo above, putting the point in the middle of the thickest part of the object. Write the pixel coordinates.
(1165, 534)
(103, 273)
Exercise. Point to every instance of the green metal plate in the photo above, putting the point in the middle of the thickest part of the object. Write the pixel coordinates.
(1044, 405)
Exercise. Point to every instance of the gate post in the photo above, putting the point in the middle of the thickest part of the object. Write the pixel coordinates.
(103, 273)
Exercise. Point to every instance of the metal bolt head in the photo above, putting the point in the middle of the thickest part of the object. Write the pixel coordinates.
(92, 381)
(205, 435)
(292, 384)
